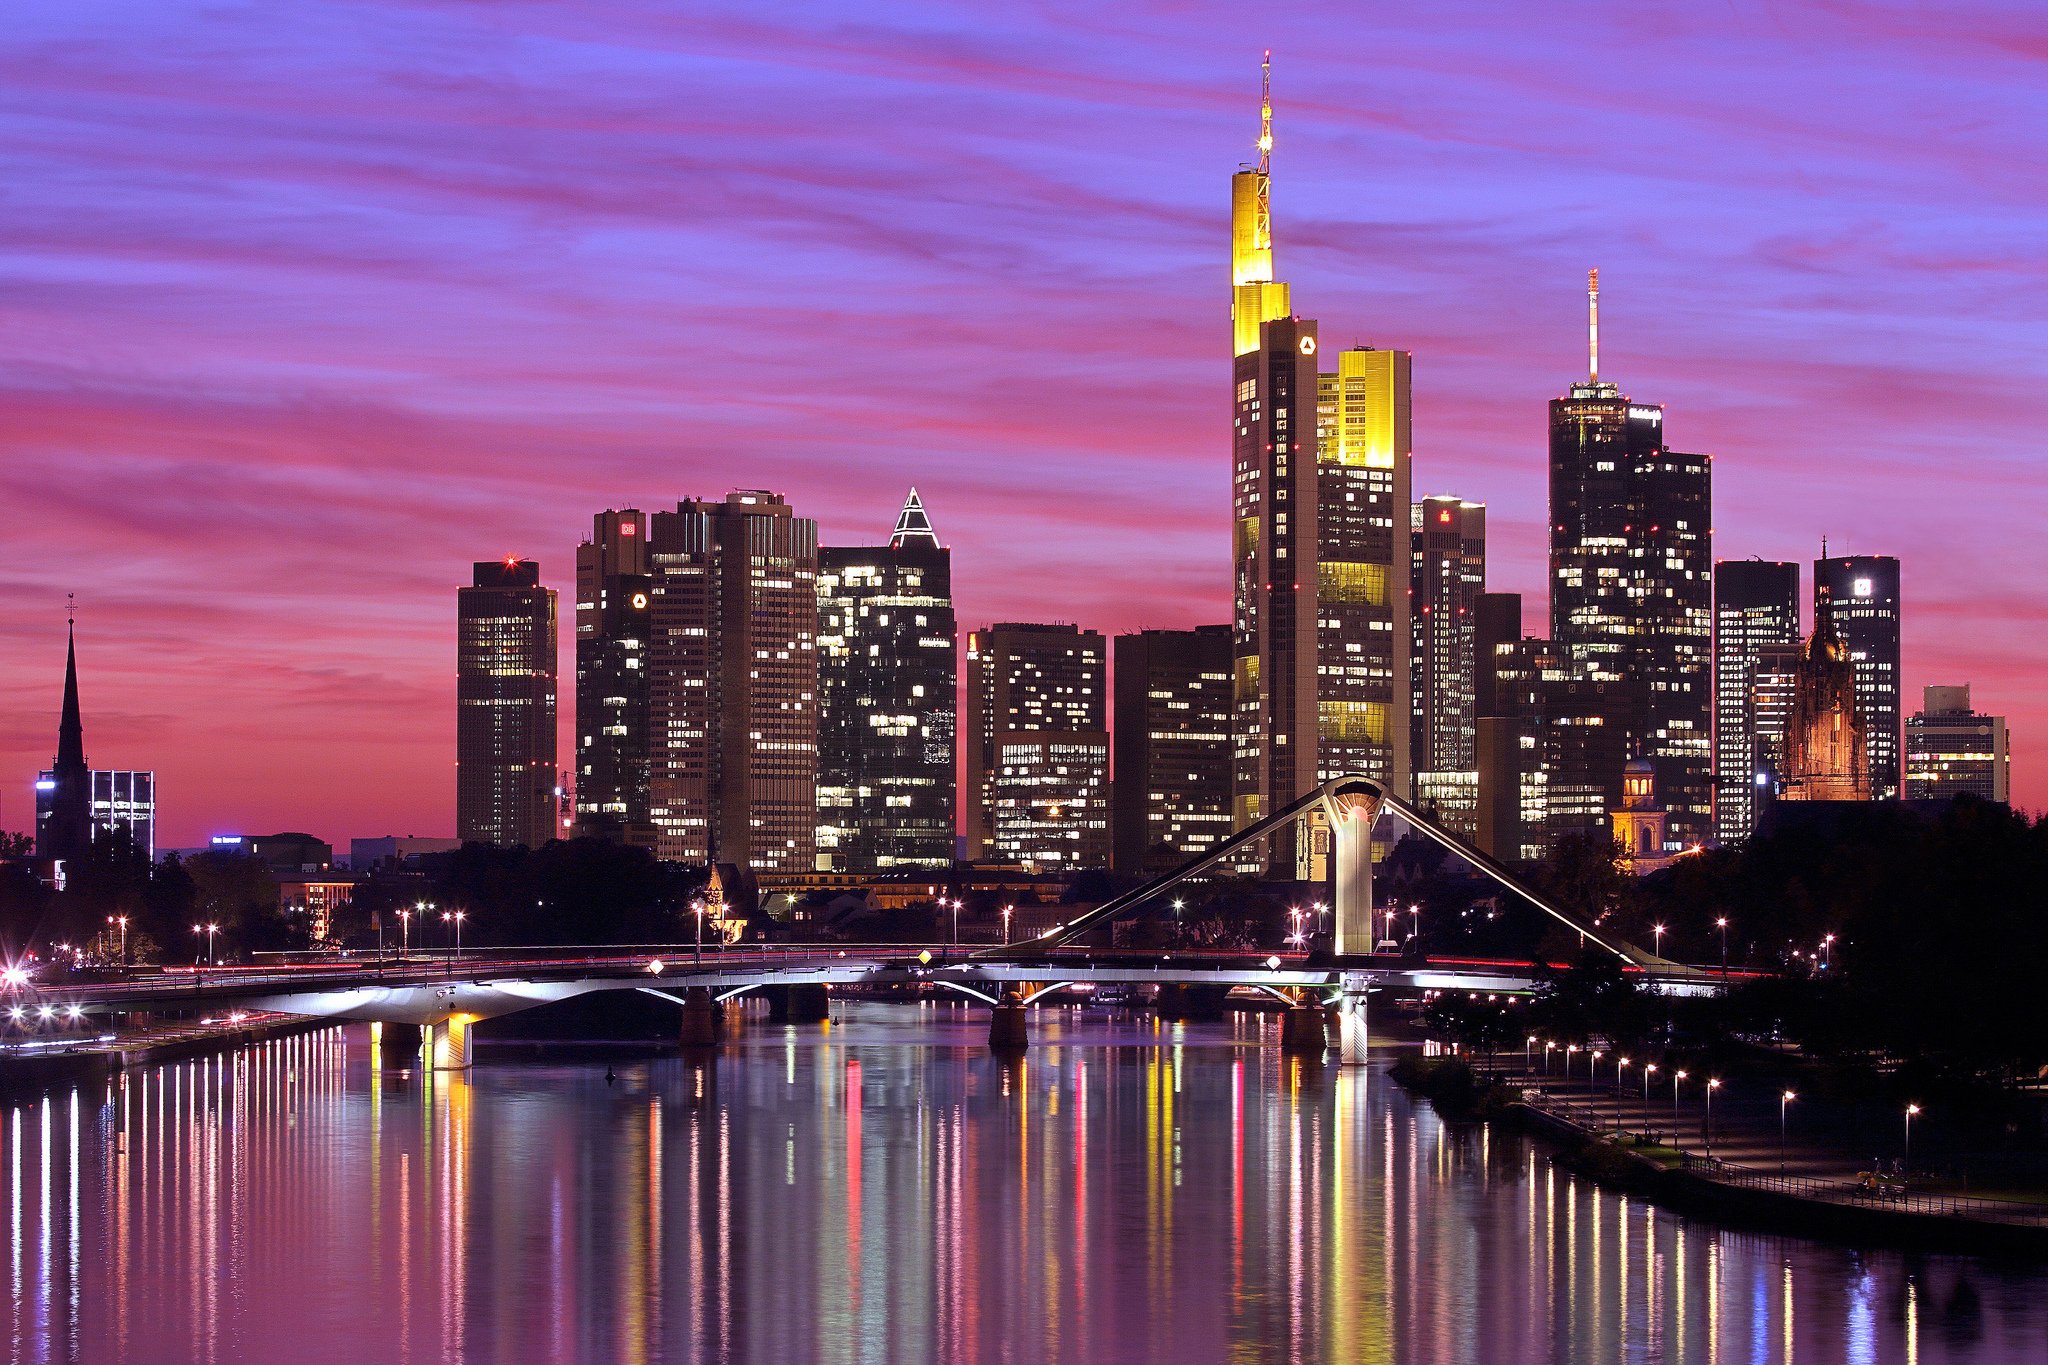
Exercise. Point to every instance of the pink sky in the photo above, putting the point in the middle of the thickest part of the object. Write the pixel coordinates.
(307, 306)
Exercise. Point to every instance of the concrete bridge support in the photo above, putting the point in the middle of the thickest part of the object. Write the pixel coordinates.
(448, 1043)
(797, 1004)
(703, 1019)
(1303, 1029)
(1351, 815)
(396, 1044)
(1349, 1025)
(1008, 1029)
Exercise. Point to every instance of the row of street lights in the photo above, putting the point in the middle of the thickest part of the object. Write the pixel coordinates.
(1678, 1076)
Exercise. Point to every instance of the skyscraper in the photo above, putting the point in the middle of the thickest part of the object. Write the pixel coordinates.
(732, 692)
(1559, 745)
(1364, 562)
(64, 822)
(1952, 749)
(1449, 575)
(1171, 789)
(1274, 682)
(505, 706)
(1630, 586)
(1256, 296)
(613, 745)
(1037, 746)
(1859, 596)
(887, 701)
(1756, 606)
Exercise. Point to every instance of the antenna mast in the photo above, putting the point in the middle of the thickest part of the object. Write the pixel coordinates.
(1266, 114)
(1593, 321)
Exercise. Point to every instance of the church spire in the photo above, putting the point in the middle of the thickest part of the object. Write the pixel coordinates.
(913, 524)
(70, 728)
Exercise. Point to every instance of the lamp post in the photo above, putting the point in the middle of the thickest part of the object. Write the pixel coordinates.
(212, 953)
(1657, 939)
(1415, 925)
(1676, 1077)
(956, 921)
(698, 906)
(198, 942)
(1649, 1068)
(1548, 1048)
(1906, 1160)
(1009, 910)
(1528, 1049)
(1713, 1084)
(1827, 955)
(458, 916)
(1620, 1065)
(1592, 1068)
(1784, 1105)
(1721, 923)
(122, 921)
(404, 932)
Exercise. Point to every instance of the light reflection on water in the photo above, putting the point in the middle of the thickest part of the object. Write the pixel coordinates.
(881, 1189)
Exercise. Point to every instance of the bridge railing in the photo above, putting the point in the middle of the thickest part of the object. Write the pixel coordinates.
(1868, 1189)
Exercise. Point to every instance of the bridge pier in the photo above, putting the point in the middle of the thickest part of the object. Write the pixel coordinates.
(1303, 1029)
(1350, 1026)
(396, 1044)
(703, 1019)
(448, 1043)
(797, 1004)
(1008, 1028)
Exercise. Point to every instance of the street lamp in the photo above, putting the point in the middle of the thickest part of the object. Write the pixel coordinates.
(1657, 939)
(1569, 1049)
(1648, 1069)
(1009, 910)
(1784, 1104)
(404, 932)
(456, 918)
(1906, 1161)
(121, 920)
(1528, 1048)
(698, 906)
(1676, 1077)
(1592, 1067)
(1549, 1048)
(956, 921)
(1713, 1084)
(1620, 1065)
(1827, 956)
(1721, 923)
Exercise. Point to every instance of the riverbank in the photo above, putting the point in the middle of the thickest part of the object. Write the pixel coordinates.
(91, 1062)
(1735, 1199)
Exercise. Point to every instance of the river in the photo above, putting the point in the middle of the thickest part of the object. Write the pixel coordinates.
(879, 1188)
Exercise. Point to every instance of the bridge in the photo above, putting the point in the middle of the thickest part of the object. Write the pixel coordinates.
(445, 996)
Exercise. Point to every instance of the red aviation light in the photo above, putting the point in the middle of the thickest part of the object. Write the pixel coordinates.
(1444, 516)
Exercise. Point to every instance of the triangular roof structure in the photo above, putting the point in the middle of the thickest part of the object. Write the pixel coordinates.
(912, 524)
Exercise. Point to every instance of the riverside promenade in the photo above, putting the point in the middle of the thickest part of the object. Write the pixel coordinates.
(1756, 1160)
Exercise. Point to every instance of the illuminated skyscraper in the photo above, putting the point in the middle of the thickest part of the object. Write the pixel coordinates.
(1859, 596)
(1172, 738)
(733, 688)
(505, 706)
(613, 597)
(1037, 747)
(887, 701)
(1256, 296)
(1364, 567)
(1449, 576)
(1756, 606)
(1630, 578)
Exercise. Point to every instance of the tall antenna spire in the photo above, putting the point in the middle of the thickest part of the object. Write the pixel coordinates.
(1266, 114)
(1593, 321)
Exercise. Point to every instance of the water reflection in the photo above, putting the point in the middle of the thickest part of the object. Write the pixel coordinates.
(883, 1190)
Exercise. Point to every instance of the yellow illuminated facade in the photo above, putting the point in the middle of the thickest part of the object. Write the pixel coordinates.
(1256, 297)
(1364, 460)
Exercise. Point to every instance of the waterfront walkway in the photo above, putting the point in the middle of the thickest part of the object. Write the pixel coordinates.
(1813, 1155)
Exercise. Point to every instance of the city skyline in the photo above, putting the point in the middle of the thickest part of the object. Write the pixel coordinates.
(316, 435)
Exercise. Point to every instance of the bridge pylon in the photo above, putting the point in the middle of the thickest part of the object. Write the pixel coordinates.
(1351, 811)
